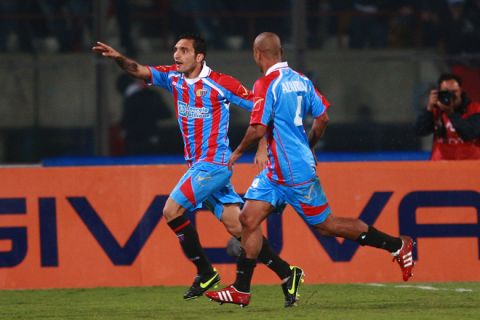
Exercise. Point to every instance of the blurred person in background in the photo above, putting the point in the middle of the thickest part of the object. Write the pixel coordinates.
(369, 24)
(143, 109)
(70, 20)
(453, 119)
(122, 9)
(14, 20)
(202, 99)
(203, 16)
(402, 26)
(431, 14)
(66, 21)
(461, 27)
(462, 43)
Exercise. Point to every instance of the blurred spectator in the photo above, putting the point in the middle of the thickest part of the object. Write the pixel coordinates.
(14, 21)
(143, 108)
(66, 20)
(431, 13)
(403, 24)
(122, 12)
(316, 25)
(462, 38)
(338, 21)
(453, 119)
(273, 21)
(203, 16)
(369, 24)
(462, 27)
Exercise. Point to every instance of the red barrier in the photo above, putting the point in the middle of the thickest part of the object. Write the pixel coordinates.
(43, 205)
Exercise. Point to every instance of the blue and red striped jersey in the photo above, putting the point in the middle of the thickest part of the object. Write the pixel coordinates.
(282, 99)
(203, 109)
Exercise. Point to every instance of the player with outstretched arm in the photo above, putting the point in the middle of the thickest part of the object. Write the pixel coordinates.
(202, 99)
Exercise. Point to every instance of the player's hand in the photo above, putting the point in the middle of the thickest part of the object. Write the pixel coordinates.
(233, 158)
(261, 156)
(261, 160)
(105, 50)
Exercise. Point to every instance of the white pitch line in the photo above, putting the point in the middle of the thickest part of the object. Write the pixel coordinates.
(376, 284)
(420, 287)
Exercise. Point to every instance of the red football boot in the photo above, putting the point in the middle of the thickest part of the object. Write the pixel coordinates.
(230, 295)
(404, 257)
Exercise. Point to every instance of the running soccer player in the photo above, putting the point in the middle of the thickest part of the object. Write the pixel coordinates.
(282, 99)
(202, 98)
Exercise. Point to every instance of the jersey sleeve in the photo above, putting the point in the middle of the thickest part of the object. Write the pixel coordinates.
(318, 103)
(263, 101)
(237, 93)
(159, 76)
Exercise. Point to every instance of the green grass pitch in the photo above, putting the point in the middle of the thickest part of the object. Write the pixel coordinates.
(391, 301)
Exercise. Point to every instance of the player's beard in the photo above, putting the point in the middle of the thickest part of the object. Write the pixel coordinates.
(190, 70)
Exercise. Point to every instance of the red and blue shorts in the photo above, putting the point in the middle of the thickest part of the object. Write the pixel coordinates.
(206, 185)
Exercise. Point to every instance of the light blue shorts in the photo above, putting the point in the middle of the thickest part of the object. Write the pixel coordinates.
(308, 200)
(206, 185)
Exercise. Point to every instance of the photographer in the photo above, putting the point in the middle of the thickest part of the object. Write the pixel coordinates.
(453, 119)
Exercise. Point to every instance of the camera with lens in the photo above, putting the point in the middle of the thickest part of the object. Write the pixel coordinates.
(445, 97)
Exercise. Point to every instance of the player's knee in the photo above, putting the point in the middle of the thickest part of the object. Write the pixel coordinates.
(247, 222)
(169, 214)
(233, 226)
(234, 230)
(230, 220)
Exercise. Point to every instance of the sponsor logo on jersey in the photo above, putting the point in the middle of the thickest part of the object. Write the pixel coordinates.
(184, 110)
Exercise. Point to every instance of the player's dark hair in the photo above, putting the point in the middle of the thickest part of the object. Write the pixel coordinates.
(447, 77)
(199, 44)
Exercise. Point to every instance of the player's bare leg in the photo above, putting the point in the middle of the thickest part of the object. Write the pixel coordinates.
(348, 228)
(357, 230)
(255, 245)
(253, 213)
(231, 220)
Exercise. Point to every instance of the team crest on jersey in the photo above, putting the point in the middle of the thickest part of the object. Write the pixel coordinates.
(201, 92)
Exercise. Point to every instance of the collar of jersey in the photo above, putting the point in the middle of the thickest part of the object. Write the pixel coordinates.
(276, 66)
(203, 74)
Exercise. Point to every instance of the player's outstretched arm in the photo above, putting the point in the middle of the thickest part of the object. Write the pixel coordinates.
(130, 66)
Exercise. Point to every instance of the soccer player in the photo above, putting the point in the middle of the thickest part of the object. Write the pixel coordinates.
(202, 98)
(282, 99)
